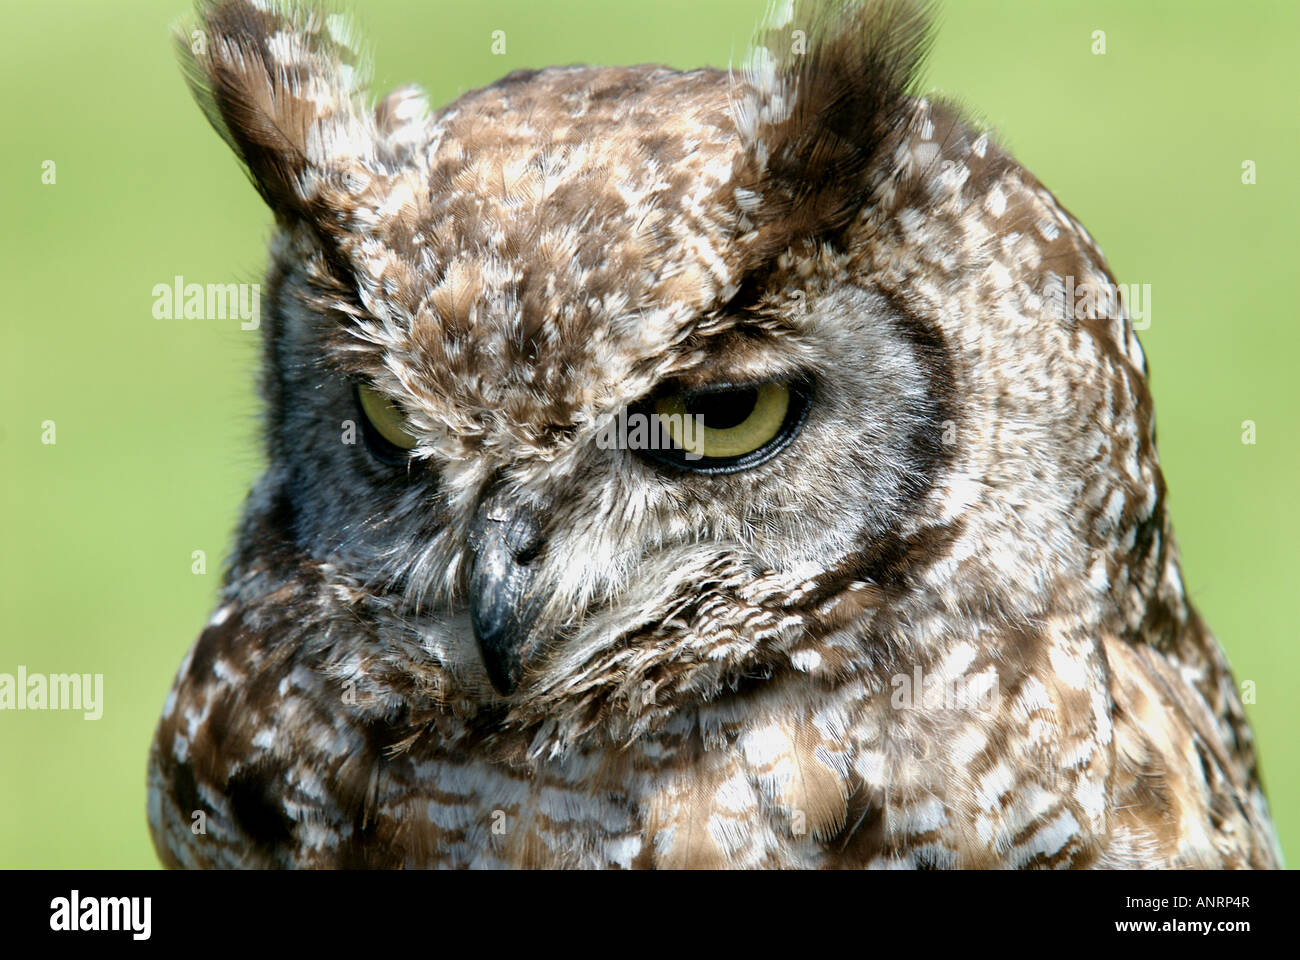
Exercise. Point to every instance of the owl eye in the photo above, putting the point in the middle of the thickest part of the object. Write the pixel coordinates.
(383, 425)
(727, 428)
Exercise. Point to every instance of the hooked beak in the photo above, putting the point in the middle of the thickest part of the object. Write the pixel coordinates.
(506, 538)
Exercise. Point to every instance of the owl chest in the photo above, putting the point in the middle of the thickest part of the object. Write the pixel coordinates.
(773, 793)
(705, 815)
(768, 795)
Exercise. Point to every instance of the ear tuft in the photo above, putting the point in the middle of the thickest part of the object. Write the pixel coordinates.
(285, 85)
(829, 83)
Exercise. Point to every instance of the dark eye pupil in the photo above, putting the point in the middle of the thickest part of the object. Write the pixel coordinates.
(724, 409)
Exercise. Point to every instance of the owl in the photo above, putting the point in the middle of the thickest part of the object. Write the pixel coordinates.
(706, 469)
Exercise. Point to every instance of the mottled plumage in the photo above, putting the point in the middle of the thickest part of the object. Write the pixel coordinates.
(520, 647)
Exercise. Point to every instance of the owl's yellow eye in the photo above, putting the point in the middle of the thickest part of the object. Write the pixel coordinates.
(384, 419)
(726, 423)
(727, 428)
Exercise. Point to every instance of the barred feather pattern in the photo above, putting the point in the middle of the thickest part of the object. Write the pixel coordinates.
(974, 501)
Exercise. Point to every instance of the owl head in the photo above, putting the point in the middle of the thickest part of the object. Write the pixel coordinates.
(600, 393)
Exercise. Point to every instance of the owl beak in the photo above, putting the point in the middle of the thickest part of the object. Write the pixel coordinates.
(506, 538)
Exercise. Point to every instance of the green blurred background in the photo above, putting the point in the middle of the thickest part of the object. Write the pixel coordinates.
(156, 419)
